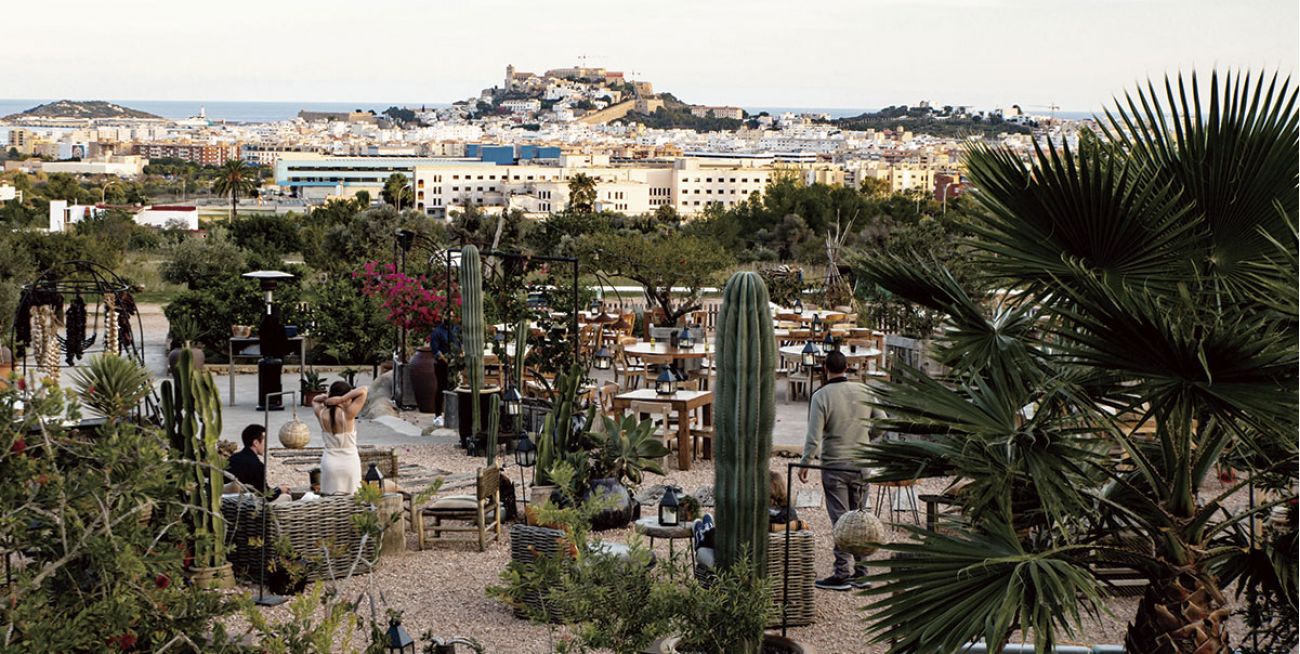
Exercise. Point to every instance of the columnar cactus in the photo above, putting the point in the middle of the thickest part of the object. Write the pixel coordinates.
(191, 412)
(472, 333)
(745, 411)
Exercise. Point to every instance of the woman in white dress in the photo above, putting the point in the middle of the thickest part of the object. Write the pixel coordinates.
(340, 465)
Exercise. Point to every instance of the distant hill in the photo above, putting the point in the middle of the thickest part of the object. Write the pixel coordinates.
(943, 122)
(81, 109)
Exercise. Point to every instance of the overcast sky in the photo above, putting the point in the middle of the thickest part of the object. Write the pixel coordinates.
(793, 53)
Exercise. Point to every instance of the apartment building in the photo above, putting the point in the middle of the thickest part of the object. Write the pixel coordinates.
(203, 154)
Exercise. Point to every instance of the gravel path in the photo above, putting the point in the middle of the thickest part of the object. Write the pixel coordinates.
(442, 589)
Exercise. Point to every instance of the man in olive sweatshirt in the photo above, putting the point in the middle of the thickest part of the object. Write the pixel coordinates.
(839, 424)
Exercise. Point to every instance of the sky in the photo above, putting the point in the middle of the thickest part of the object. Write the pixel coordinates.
(1077, 54)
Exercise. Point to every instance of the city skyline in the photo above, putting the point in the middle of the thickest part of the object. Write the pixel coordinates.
(1076, 55)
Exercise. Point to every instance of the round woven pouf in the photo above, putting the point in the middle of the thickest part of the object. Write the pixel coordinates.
(859, 533)
(295, 434)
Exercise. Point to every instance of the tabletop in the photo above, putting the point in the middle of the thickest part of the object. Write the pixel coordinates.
(651, 527)
(649, 395)
(643, 348)
(848, 352)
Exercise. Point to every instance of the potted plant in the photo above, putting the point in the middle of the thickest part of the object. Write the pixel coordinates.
(413, 305)
(628, 449)
(313, 385)
(563, 438)
(183, 331)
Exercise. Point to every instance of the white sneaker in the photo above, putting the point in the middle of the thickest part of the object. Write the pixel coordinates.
(437, 421)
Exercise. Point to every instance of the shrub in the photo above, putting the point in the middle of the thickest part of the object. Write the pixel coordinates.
(199, 263)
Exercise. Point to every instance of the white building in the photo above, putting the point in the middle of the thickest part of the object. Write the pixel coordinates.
(64, 215)
(8, 192)
(121, 166)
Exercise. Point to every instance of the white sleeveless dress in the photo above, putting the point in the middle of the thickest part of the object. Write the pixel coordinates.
(340, 465)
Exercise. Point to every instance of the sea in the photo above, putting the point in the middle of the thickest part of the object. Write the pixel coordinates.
(264, 112)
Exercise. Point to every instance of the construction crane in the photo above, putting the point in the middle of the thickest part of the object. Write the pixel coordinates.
(1052, 107)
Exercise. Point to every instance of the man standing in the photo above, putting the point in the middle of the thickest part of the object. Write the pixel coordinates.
(839, 416)
(442, 344)
(246, 464)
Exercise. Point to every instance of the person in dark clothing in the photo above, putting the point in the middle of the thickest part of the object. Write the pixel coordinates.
(443, 343)
(246, 465)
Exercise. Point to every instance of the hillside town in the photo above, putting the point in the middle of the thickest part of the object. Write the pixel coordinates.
(516, 145)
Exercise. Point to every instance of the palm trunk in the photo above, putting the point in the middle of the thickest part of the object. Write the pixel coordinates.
(1181, 613)
(234, 206)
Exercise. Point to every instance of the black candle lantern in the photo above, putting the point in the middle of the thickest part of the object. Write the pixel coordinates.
(513, 401)
(375, 479)
(525, 451)
(685, 339)
(666, 382)
(669, 507)
(828, 344)
(603, 359)
(816, 325)
(798, 305)
(808, 355)
(397, 640)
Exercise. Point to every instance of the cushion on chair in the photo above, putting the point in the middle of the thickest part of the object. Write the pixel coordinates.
(454, 503)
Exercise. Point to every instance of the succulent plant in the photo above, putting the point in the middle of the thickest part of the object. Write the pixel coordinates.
(191, 412)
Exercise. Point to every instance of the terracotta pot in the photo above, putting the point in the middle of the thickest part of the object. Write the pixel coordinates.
(175, 356)
(222, 576)
(308, 396)
(424, 380)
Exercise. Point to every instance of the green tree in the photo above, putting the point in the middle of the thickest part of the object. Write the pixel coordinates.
(659, 262)
(397, 191)
(1153, 330)
(235, 179)
(199, 263)
(63, 186)
(582, 194)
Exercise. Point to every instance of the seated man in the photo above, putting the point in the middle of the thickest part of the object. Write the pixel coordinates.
(246, 465)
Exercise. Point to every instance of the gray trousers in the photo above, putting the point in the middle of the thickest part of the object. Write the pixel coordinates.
(844, 492)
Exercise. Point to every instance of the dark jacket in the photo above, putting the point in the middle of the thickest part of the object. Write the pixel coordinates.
(247, 467)
(443, 340)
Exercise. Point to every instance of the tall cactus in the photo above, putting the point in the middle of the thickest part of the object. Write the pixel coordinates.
(191, 411)
(472, 332)
(745, 412)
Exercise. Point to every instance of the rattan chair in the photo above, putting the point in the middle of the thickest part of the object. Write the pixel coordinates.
(321, 534)
(481, 511)
(801, 608)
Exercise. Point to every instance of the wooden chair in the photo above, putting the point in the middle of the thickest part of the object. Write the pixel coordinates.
(481, 510)
(662, 413)
(631, 369)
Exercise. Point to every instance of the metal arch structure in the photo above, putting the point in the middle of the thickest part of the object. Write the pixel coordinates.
(79, 277)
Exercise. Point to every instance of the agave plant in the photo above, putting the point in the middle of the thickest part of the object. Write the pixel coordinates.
(1150, 327)
(628, 450)
(112, 385)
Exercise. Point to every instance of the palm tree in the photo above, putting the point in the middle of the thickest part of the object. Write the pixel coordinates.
(582, 193)
(1146, 328)
(397, 190)
(235, 179)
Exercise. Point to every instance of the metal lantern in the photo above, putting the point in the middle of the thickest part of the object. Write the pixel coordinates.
(525, 451)
(816, 325)
(669, 508)
(798, 305)
(685, 339)
(603, 359)
(808, 355)
(374, 478)
(513, 401)
(828, 343)
(666, 382)
(397, 641)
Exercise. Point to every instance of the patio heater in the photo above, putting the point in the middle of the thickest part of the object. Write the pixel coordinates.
(272, 341)
(262, 598)
(404, 239)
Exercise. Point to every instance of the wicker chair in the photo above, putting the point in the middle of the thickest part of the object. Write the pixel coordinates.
(527, 543)
(801, 609)
(482, 511)
(321, 535)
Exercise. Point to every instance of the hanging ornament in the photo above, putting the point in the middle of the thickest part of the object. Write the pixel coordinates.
(74, 344)
(111, 344)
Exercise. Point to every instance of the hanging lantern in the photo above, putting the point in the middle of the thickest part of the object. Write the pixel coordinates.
(374, 478)
(603, 359)
(685, 339)
(808, 355)
(397, 641)
(295, 434)
(859, 533)
(669, 508)
(512, 400)
(525, 451)
(666, 382)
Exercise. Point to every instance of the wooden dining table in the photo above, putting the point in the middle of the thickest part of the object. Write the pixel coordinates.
(683, 402)
(657, 349)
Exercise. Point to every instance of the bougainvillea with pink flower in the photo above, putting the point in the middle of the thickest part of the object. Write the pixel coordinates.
(412, 302)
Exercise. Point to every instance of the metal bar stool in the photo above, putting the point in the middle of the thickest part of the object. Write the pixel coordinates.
(889, 494)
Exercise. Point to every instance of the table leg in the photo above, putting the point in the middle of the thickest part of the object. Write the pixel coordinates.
(230, 369)
(708, 422)
(684, 439)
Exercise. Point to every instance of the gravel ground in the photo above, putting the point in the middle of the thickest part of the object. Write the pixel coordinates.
(442, 589)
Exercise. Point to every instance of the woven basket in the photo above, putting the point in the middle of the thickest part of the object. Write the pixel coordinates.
(859, 533)
(526, 544)
(295, 434)
(320, 532)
